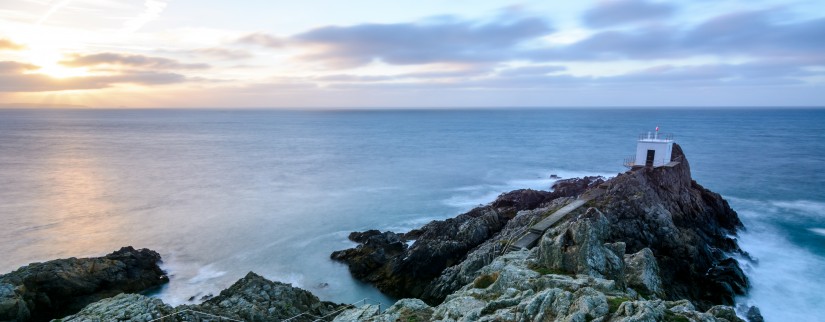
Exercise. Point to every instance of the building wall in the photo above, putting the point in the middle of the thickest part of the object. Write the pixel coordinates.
(663, 150)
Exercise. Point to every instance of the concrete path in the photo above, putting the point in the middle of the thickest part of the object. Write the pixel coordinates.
(531, 237)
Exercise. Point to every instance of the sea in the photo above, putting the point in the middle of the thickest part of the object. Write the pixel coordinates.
(219, 193)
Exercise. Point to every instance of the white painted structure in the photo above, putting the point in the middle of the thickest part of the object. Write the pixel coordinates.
(653, 149)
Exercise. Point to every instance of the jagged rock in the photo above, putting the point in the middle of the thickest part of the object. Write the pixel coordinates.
(642, 272)
(408, 271)
(61, 287)
(724, 312)
(254, 298)
(456, 276)
(403, 310)
(12, 305)
(754, 315)
(685, 225)
(520, 293)
(641, 311)
(578, 247)
(575, 186)
(375, 250)
(123, 307)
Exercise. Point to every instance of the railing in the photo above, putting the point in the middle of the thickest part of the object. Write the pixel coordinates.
(316, 318)
(196, 313)
(629, 161)
(218, 318)
(656, 136)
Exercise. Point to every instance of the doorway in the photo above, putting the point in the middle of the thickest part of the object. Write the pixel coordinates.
(650, 155)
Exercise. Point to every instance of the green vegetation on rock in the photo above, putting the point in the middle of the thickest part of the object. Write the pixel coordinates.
(485, 280)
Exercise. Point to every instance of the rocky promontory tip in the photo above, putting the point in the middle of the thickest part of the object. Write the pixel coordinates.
(652, 230)
(384, 259)
(53, 289)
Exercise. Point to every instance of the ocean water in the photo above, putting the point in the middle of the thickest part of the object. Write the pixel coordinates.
(219, 193)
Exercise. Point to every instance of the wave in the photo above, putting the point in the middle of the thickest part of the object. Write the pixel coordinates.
(468, 197)
(787, 281)
(772, 209)
(818, 231)
(206, 273)
(786, 275)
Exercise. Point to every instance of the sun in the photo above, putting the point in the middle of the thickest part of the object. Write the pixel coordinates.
(48, 59)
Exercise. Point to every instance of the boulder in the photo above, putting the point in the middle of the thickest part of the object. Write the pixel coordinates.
(642, 273)
(123, 307)
(578, 247)
(64, 286)
(254, 298)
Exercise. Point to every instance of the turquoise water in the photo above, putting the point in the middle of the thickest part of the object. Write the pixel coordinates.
(219, 193)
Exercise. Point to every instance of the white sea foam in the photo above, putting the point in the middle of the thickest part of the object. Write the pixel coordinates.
(769, 209)
(820, 231)
(472, 196)
(787, 280)
(205, 274)
(808, 207)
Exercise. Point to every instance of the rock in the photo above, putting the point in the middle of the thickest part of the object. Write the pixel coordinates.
(61, 287)
(384, 260)
(754, 315)
(123, 307)
(403, 310)
(364, 313)
(254, 298)
(724, 312)
(456, 276)
(642, 273)
(521, 293)
(578, 247)
(686, 226)
(640, 311)
(677, 231)
(12, 306)
(576, 186)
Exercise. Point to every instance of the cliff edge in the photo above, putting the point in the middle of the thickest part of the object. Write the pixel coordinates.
(645, 216)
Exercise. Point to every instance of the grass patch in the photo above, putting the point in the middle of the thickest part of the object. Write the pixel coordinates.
(614, 303)
(673, 317)
(484, 281)
(548, 271)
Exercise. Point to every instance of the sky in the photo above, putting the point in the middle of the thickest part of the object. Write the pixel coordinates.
(410, 54)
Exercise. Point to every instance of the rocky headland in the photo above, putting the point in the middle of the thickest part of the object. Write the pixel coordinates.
(652, 245)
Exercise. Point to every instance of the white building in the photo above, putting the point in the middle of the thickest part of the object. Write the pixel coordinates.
(653, 150)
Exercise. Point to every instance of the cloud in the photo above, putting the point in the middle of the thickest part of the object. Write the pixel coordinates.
(222, 53)
(745, 33)
(6, 44)
(7, 67)
(52, 9)
(78, 60)
(430, 75)
(756, 31)
(152, 10)
(444, 40)
(261, 39)
(531, 70)
(617, 12)
(19, 77)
